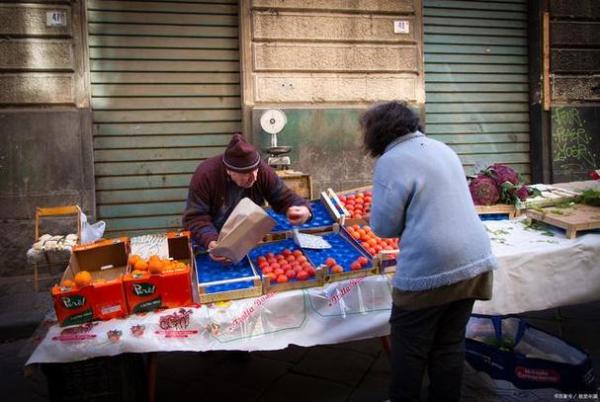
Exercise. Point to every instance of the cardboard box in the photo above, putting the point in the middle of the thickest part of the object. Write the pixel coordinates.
(147, 292)
(103, 298)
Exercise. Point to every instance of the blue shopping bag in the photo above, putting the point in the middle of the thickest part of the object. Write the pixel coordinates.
(509, 349)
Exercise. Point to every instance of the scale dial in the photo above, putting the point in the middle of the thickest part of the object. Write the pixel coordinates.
(273, 121)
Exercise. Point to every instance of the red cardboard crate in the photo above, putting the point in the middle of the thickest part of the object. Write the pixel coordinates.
(103, 298)
(168, 289)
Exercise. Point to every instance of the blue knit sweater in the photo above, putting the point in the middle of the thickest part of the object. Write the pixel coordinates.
(420, 194)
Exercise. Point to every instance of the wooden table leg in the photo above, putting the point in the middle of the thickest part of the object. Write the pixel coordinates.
(387, 344)
(151, 376)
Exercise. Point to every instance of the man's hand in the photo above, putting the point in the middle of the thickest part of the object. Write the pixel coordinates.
(298, 215)
(223, 260)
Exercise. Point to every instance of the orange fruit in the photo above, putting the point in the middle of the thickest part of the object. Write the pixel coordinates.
(67, 283)
(155, 266)
(141, 265)
(133, 259)
(83, 278)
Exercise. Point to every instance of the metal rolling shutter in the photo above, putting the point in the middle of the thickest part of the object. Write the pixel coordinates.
(476, 80)
(165, 95)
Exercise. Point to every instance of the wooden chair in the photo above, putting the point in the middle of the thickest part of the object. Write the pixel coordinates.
(66, 210)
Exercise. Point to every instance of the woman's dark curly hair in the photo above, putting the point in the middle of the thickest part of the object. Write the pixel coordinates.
(383, 123)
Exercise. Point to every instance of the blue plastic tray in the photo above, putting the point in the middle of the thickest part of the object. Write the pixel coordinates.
(321, 219)
(342, 250)
(276, 248)
(211, 271)
(493, 217)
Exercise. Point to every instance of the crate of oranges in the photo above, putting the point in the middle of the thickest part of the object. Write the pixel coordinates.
(384, 250)
(161, 281)
(91, 286)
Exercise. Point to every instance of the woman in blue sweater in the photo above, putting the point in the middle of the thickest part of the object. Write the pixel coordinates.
(420, 194)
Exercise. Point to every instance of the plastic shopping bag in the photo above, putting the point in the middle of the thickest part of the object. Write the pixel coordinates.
(512, 352)
(91, 232)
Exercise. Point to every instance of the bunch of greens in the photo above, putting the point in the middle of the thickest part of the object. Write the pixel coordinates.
(589, 197)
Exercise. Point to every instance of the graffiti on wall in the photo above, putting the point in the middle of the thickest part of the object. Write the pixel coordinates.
(575, 142)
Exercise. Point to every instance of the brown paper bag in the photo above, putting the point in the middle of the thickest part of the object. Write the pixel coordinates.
(245, 227)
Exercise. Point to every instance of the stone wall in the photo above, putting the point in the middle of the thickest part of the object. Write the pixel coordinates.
(45, 125)
(322, 63)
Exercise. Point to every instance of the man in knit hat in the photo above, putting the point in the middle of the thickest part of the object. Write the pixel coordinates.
(220, 182)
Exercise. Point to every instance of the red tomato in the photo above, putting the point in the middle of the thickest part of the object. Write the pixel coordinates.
(262, 258)
(290, 258)
(267, 270)
(286, 252)
(291, 274)
(278, 271)
(330, 262)
(275, 266)
(282, 279)
(297, 253)
(336, 269)
(270, 255)
(302, 275)
(310, 270)
(363, 261)
(271, 276)
(355, 266)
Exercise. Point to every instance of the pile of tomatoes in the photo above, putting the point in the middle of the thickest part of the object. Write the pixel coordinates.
(286, 266)
(370, 242)
(358, 205)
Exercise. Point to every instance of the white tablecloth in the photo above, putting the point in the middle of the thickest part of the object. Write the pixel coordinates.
(539, 269)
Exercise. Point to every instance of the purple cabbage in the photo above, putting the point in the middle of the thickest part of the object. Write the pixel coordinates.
(523, 193)
(484, 191)
(502, 174)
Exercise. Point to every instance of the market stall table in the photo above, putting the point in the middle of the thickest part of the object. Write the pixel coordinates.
(539, 269)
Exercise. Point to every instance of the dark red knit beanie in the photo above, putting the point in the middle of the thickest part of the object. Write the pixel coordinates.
(240, 156)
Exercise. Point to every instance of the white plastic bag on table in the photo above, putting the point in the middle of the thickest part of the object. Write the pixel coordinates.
(91, 232)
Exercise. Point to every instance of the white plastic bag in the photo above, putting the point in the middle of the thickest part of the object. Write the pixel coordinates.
(91, 232)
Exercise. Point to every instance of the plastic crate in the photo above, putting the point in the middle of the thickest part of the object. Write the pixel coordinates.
(321, 221)
(119, 378)
(217, 282)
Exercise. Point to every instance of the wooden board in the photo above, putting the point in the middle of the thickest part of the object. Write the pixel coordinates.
(298, 182)
(510, 210)
(574, 219)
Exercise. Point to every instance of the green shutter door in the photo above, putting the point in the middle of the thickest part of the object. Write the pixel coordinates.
(165, 95)
(476, 80)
